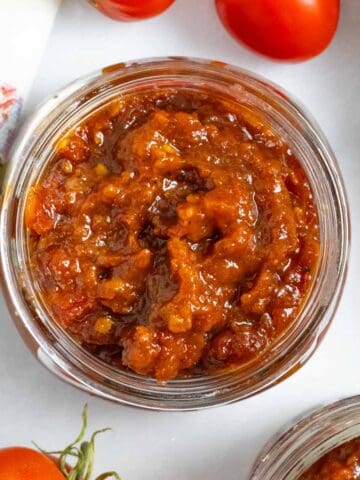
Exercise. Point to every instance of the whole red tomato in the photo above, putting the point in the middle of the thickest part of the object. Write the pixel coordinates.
(129, 10)
(20, 463)
(281, 29)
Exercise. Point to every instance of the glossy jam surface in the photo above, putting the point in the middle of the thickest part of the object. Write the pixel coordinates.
(173, 234)
(342, 463)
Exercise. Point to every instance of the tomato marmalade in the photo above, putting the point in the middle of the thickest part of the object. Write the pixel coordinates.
(173, 234)
(341, 463)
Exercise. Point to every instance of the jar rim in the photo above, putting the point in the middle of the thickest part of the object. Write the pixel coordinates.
(127, 387)
(291, 452)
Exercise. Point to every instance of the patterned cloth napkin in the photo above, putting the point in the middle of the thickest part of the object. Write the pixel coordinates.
(24, 29)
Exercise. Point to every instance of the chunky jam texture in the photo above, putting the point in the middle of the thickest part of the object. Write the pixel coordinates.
(173, 234)
(342, 463)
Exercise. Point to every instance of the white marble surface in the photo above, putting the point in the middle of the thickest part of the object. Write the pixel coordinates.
(24, 29)
(221, 443)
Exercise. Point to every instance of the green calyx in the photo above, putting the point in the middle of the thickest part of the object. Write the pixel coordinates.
(76, 461)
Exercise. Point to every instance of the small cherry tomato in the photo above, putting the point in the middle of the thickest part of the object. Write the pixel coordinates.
(129, 10)
(20, 463)
(282, 29)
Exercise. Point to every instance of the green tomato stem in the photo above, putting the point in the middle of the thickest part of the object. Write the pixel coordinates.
(82, 452)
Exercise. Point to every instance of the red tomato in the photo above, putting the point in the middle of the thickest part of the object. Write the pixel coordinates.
(281, 29)
(129, 10)
(20, 463)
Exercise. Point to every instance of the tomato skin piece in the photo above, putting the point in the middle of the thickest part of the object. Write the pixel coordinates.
(131, 10)
(21, 463)
(293, 30)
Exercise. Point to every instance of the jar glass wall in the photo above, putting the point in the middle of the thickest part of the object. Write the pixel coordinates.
(34, 148)
(292, 453)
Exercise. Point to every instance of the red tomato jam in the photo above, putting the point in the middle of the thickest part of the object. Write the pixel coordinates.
(342, 463)
(173, 234)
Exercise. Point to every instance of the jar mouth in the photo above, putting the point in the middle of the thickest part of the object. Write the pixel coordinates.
(83, 97)
(291, 453)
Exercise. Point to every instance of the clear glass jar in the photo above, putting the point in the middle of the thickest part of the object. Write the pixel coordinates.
(34, 147)
(291, 453)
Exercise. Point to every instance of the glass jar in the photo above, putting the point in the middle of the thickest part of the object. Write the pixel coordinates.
(34, 147)
(292, 453)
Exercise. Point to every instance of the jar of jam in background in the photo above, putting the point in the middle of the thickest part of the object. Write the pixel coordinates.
(30, 155)
(290, 455)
